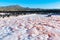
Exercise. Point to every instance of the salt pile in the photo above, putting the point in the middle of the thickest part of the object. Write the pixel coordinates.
(30, 27)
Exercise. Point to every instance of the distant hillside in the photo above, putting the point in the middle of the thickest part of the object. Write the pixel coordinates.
(12, 8)
(19, 8)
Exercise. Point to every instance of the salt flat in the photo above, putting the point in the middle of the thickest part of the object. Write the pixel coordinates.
(30, 27)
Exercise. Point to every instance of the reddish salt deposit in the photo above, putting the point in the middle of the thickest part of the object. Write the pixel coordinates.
(30, 27)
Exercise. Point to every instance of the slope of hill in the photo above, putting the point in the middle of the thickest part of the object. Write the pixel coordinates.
(12, 8)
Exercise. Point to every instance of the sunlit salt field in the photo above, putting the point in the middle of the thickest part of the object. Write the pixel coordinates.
(30, 27)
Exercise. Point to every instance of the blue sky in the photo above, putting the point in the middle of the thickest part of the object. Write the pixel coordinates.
(32, 3)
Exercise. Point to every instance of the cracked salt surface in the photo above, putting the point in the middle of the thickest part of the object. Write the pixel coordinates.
(30, 27)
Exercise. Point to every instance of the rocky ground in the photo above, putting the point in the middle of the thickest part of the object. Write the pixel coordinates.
(30, 27)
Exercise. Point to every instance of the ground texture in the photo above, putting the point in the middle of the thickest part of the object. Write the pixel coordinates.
(30, 27)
